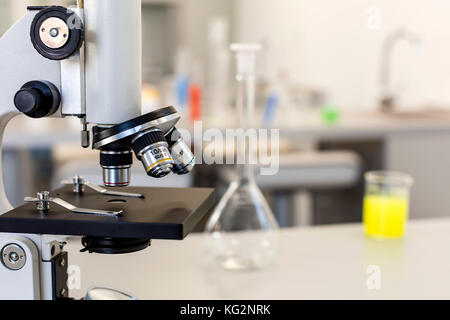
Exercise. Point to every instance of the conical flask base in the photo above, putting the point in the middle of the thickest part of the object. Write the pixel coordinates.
(242, 232)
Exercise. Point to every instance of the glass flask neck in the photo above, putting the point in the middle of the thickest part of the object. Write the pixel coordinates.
(245, 105)
(245, 173)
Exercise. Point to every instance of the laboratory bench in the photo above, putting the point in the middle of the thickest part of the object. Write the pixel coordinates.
(414, 142)
(320, 262)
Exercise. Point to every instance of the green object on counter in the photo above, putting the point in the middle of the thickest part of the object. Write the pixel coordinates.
(330, 114)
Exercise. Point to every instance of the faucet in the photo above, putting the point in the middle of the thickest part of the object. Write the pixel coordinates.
(387, 99)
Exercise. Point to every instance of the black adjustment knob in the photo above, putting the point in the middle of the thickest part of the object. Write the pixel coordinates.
(57, 32)
(28, 100)
(37, 99)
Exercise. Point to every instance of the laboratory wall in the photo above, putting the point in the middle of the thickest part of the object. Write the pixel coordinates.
(327, 53)
(335, 46)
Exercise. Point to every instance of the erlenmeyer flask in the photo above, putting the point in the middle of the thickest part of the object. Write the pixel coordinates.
(242, 231)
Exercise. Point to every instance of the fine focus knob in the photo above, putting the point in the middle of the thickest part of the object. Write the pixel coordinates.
(37, 99)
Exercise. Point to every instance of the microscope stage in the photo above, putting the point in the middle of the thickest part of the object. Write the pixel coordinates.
(164, 213)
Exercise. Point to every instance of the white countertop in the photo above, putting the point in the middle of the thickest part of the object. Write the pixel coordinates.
(328, 262)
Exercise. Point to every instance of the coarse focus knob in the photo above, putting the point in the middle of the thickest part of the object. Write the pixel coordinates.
(37, 99)
(57, 33)
(28, 100)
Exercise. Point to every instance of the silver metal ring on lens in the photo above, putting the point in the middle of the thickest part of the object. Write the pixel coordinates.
(116, 176)
(156, 159)
(184, 160)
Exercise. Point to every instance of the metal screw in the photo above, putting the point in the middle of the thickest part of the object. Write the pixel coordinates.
(78, 184)
(44, 201)
(62, 262)
(13, 257)
(54, 32)
(85, 136)
(62, 292)
(43, 195)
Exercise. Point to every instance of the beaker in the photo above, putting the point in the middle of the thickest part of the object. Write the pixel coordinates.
(386, 203)
(242, 231)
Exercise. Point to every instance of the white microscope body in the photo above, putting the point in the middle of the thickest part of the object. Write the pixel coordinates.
(83, 62)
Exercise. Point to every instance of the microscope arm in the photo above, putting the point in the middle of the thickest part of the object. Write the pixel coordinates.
(19, 64)
(4, 202)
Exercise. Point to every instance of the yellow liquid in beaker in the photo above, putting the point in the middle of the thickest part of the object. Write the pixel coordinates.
(385, 216)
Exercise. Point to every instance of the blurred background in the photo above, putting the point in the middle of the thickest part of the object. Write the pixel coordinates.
(353, 86)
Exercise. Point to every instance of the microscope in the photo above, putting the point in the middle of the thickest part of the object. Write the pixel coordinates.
(85, 62)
